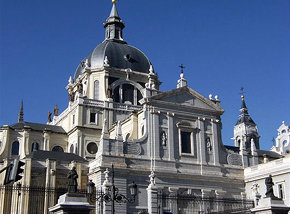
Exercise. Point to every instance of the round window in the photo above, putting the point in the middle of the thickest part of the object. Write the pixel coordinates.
(92, 148)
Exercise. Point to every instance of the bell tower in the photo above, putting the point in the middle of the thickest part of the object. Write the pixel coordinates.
(245, 131)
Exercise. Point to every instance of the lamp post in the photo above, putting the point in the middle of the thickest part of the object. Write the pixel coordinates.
(111, 192)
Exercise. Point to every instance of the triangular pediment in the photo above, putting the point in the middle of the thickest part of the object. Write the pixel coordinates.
(186, 96)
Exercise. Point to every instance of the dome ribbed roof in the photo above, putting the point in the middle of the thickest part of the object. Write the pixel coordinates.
(117, 52)
(120, 55)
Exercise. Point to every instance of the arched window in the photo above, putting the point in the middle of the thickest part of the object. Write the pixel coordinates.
(239, 143)
(15, 148)
(96, 90)
(127, 93)
(34, 147)
(71, 149)
(57, 149)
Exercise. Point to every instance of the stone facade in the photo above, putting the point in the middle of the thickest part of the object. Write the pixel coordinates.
(117, 115)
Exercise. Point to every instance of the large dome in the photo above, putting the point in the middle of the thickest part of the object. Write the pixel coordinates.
(119, 55)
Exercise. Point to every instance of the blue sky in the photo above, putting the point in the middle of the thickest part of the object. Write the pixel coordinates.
(224, 44)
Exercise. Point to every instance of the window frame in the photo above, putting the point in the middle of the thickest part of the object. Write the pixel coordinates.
(88, 150)
(12, 147)
(281, 194)
(186, 127)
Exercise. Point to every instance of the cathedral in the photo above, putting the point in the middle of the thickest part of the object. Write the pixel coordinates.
(164, 141)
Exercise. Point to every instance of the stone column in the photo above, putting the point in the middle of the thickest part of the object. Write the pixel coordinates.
(152, 195)
(170, 138)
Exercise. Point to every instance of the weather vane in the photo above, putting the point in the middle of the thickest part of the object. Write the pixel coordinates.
(182, 67)
(242, 93)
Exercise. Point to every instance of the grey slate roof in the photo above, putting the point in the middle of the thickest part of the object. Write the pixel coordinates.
(38, 127)
(270, 154)
(120, 55)
(59, 156)
(233, 148)
(244, 116)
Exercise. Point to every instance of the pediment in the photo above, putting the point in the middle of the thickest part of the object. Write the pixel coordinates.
(186, 96)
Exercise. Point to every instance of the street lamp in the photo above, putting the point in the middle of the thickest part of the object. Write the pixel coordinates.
(111, 192)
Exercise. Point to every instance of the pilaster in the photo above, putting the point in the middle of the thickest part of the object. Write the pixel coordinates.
(156, 134)
(25, 146)
(152, 194)
(202, 150)
(170, 138)
(215, 143)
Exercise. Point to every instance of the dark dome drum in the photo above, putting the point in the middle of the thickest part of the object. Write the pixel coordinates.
(119, 55)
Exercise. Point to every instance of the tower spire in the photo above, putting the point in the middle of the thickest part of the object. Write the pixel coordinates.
(244, 116)
(114, 25)
(21, 114)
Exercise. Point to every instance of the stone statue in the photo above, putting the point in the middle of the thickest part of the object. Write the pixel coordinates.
(55, 111)
(80, 87)
(72, 180)
(208, 145)
(71, 95)
(49, 117)
(163, 138)
(109, 92)
(269, 187)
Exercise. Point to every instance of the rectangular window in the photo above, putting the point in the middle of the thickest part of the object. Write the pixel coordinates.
(92, 117)
(185, 142)
(73, 120)
(280, 191)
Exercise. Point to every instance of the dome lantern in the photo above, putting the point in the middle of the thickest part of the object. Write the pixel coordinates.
(114, 25)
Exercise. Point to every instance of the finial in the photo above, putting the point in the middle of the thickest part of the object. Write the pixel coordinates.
(106, 61)
(151, 70)
(114, 1)
(70, 80)
(20, 115)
